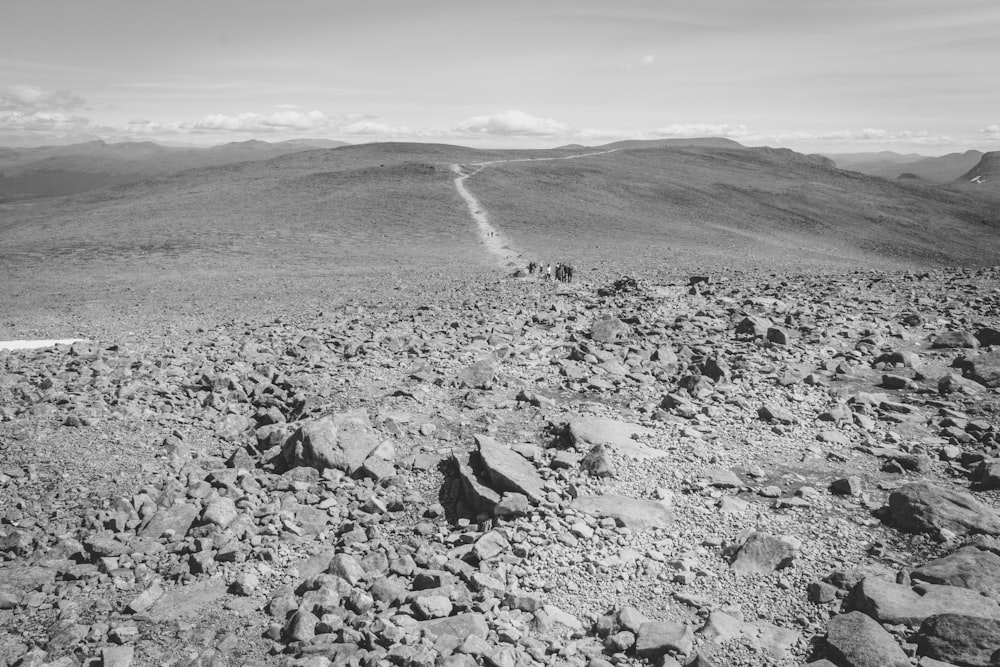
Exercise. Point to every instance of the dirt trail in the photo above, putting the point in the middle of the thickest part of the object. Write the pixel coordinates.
(492, 238)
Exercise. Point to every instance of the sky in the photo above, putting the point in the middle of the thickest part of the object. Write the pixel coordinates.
(825, 76)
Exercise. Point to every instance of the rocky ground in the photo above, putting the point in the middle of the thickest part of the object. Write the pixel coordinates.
(750, 470)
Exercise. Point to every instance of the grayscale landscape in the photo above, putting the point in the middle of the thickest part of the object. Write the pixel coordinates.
(304, 389)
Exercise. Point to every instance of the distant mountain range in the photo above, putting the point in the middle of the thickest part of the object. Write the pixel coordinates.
(46, 171)
(886, 164)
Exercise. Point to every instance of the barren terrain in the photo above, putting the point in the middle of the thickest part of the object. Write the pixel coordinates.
(318, 422)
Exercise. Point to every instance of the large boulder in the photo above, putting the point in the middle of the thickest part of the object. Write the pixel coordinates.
(342, 441)
(967, 567)
(856, 640)
(922, 507)
(895, 604)
(961, 640)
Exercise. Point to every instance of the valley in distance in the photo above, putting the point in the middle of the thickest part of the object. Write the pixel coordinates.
(322, 412)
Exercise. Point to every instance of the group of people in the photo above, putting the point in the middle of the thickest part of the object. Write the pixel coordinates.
(561, 272)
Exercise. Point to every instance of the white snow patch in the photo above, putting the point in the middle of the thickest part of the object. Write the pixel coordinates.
(35, 344)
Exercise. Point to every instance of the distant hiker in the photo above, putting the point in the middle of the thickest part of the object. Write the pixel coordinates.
(548, 272)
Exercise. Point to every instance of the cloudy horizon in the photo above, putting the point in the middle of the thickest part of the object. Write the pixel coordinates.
(902, 75)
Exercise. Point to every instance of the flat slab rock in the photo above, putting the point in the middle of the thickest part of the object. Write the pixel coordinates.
(585, 432)
(926, 508)
(506, 470)
(459, 626)
(634, 513)
(186, 601)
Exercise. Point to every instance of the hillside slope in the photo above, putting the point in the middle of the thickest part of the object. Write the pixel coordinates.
(734, 205)
(983, 180)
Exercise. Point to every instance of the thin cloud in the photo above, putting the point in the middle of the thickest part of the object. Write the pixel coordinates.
(281, 120)
(689, 130)
(512, 123)
(866, 135)
(992, 132)
(41, 120)
(376, 128)
(31, 99)
(644, 61)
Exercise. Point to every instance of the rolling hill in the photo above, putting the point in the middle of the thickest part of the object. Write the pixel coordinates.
(47, 171)
(323, 226)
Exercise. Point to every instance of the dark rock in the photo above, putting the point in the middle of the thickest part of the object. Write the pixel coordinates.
(479, 497)
(820, 592)
(855, 640)
(988, 336)
(847, 486)
(753, 326)
(962, 640)
(922, 507)
(987, 474)
(596, 462)
(778, 335)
